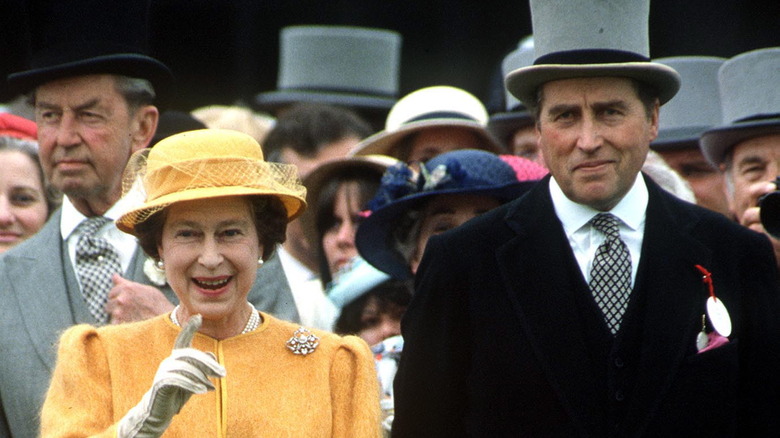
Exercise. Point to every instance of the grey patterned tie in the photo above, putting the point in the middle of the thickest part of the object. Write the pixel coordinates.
(96, 262)
(610, 276)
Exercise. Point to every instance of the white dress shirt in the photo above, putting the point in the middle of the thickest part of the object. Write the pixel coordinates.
(314, 308)
(124, 244)
(585, 239)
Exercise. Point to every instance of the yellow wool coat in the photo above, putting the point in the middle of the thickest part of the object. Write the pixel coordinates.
(268, 391)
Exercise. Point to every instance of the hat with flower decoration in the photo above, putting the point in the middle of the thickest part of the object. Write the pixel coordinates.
(430, 107)
(465, 171)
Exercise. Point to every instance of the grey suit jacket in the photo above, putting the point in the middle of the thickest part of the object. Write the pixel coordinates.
(40, 297)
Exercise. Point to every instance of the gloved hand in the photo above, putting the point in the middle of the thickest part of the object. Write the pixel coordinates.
(185, 372)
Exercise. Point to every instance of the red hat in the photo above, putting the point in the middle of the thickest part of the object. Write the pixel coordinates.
(17, 127)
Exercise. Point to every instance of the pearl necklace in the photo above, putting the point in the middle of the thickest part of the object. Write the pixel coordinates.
(251, 324)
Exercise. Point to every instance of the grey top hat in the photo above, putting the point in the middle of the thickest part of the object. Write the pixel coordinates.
(583, 38)
(749, 86)
(516, 116)
(342, 65)
(695, 108)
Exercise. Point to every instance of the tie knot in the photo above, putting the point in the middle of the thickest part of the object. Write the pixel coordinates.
(607, 223)
(89, 226)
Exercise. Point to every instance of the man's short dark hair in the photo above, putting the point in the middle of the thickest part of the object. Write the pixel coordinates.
(646, 93)
(307, 127)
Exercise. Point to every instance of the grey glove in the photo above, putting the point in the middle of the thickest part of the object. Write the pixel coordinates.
(185, 372)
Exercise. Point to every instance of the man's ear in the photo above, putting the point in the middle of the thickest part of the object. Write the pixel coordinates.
(144, 126)
(654, 120)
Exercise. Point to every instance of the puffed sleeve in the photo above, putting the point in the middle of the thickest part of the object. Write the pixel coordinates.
(355, 391)
(79, 402)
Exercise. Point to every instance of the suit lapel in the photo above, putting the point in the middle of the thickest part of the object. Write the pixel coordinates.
(673, 300)
(542, 278)
(45, 310)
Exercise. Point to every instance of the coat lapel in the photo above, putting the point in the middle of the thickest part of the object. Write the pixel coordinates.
(45, 311)
(674, 298)
(540, 258)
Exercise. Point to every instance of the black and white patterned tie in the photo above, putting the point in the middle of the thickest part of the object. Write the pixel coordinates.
(96, 263)
(610, 276)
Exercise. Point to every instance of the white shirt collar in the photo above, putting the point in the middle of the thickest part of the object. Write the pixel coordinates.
(630, 210)
(71, 218)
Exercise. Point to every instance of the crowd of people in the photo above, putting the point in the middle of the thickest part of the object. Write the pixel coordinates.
(339, 260)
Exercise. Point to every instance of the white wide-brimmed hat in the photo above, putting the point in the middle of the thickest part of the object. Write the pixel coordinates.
(338, 65)
(437, 106)
(749, 86)
(583, 38)
(516, 114)
(695, 108)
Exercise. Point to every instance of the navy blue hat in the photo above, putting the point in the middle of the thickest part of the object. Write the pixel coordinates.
(464, 171)
(82, 37)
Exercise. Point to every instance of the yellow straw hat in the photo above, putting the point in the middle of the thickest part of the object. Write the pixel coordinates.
(202, 164)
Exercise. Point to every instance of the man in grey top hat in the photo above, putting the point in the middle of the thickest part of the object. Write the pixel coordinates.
(692, 111)
(747, 145)
(514, 127)
(597, 304)
(93, 94)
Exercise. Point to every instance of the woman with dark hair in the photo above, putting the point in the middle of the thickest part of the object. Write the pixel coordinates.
(214, 210)
(338, 192)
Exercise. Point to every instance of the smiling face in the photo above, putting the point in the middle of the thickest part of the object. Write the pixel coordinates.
(210, 249)
(23, 209)
(595, 134)
(445, 212)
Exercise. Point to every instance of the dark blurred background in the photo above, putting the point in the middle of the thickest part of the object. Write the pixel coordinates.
(223, 51)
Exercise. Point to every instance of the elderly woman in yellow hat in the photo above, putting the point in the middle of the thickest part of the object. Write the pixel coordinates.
(213, 210)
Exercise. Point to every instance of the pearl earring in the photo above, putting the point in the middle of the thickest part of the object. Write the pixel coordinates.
(159, 264)
(260, 262)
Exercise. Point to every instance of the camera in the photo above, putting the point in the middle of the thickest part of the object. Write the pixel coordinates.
(770, 210)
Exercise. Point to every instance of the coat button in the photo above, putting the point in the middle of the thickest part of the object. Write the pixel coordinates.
(619, 362)
(619, 396)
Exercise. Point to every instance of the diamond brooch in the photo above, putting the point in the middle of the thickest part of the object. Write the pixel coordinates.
(303, 342)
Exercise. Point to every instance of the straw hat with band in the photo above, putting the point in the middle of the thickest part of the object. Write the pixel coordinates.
(695, 108)
(464, 171)
(438, 106)
(750, 100)
(575, 39)
(204, 164)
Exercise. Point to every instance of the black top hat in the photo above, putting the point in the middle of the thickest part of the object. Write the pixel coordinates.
(339, 65)
(81, 37)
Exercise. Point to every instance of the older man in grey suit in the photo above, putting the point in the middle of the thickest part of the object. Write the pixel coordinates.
(94, 108)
